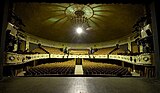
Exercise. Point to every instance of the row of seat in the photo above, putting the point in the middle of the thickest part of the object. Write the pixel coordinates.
(92, 68)
(104, 51)
(51, 50)
(58, 68)
(68, 68)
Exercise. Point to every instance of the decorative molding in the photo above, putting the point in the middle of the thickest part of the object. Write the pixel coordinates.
(143, 59)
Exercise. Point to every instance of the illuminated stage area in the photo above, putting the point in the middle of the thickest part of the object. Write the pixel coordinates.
(79, 85)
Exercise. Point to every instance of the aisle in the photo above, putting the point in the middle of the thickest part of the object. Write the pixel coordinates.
(78, 70)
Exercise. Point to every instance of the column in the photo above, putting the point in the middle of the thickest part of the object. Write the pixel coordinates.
(134, 70)
(14, 32)
(141, 49)
(129, 45)
(3, 25)
(27, 44)
(34, 63)
(15, 47)
(122, 64)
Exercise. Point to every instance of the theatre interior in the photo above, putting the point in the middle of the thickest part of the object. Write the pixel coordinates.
(79, 47)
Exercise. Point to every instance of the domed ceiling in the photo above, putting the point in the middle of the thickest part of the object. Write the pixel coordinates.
(58, 21)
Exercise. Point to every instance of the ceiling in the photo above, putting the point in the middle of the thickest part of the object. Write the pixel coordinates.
(52, 20)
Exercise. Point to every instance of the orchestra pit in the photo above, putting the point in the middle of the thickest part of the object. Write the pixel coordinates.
(79, 47)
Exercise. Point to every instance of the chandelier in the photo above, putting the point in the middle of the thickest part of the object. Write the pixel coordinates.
(79, 14)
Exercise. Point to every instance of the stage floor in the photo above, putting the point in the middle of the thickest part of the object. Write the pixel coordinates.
(79, 85)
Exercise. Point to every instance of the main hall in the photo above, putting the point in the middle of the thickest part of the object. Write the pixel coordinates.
(79, 46)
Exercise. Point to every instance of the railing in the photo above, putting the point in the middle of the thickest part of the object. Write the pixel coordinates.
(13, 58)
(142, 59)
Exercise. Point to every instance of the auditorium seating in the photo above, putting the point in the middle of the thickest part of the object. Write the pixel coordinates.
(118, 51)
(104, 51)
(97, 68)
(51, 50)
(57, 68)
(39, 51)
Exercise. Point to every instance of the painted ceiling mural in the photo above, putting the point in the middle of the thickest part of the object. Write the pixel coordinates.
(59, 21)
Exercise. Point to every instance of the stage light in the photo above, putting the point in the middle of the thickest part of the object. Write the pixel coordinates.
(79, 30)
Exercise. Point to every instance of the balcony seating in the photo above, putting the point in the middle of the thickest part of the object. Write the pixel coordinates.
(39, 51)
(51, 50)
(103, 51)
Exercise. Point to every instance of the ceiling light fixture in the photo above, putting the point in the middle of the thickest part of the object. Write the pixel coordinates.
(79, 14)
(79, 30)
